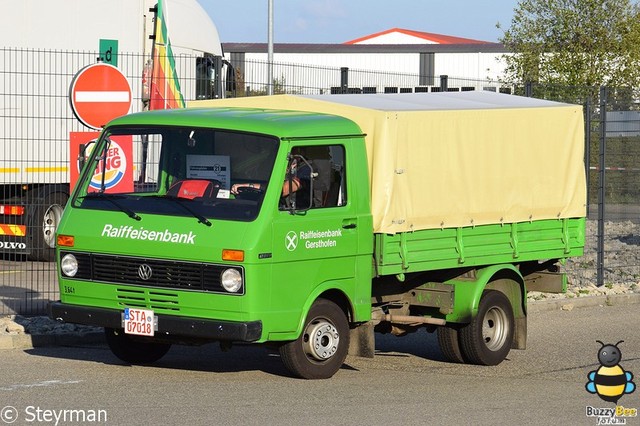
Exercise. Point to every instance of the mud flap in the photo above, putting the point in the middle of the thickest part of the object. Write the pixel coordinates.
(362, 340)
(520, 333)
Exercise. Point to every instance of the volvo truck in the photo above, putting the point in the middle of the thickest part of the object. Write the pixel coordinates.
(43, 44)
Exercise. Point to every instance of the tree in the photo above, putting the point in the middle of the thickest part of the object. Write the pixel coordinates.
(574, 42)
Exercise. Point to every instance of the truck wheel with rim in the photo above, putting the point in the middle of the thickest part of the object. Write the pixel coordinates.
(486, 340)
(45, 224)
(322, 347)
(449, 344)
(134, 351)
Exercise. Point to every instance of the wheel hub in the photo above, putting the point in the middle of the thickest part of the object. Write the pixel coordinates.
(321, 340)
(50, 223)
(495, 328)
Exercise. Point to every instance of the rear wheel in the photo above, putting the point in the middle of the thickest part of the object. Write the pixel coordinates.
(322, 347)
(487, 339)
(45, 225)
(134, 351)
(449, 344)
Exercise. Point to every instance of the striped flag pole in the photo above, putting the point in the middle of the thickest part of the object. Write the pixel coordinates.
(165, 86)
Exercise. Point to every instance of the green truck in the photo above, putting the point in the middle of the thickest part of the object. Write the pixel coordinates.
(310, 223)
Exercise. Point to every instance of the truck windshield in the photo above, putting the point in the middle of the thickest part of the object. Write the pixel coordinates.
(177, 171)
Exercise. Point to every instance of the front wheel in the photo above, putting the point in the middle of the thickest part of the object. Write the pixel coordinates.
(487, 339)
(134, 351)
(322, 347)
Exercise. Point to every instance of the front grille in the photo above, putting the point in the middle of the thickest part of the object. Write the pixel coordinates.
(158, 273)
(147, 299)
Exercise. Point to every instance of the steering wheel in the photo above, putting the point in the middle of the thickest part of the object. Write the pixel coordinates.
(248, 190)
(249, 193)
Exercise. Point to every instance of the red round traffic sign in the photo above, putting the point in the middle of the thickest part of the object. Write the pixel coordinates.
(98, 94)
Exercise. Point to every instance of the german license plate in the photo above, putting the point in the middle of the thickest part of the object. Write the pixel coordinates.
(138, 321)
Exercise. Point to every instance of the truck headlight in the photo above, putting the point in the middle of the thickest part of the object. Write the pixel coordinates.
(231, 280)
(69, 265)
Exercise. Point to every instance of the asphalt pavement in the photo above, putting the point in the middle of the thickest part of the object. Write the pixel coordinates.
(406, 383)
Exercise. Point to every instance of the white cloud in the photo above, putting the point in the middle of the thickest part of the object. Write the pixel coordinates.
(326, 9)
(301, 24)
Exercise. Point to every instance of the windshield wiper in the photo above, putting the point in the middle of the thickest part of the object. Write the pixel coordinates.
(180, 202)
(110, 198)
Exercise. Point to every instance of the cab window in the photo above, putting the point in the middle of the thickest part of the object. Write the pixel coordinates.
(316, 178)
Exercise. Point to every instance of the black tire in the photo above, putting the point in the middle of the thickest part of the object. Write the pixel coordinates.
(449, 344)
(487, 339)
(45, 224)
(134, 351)
(328, 323)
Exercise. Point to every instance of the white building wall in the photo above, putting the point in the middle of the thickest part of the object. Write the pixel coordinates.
(486, 67)
(398, 62)
(396, 38)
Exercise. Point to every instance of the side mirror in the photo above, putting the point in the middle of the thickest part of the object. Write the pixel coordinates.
(82, 158)
(83, 153)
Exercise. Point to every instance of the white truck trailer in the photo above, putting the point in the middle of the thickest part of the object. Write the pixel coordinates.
(43, 44)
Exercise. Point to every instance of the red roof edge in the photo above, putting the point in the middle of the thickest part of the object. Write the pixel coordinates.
(438, 38)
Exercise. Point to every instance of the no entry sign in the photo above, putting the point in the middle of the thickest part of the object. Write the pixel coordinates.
(98, 94)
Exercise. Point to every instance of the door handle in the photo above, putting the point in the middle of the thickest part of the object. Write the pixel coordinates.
(349, 224)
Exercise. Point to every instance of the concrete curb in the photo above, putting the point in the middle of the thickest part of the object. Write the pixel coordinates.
(30, 341)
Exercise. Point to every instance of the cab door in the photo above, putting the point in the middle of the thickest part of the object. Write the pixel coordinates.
(315, 249)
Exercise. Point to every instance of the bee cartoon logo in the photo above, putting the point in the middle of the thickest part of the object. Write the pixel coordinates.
(610, 381)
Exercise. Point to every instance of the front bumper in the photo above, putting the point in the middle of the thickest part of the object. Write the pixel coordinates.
(168, 326)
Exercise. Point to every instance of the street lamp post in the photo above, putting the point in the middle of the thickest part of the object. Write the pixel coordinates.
(270, 50)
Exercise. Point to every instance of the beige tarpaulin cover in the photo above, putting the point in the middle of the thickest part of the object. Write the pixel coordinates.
(443, 160)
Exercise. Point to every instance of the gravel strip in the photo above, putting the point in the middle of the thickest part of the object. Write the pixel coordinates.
(621, 264)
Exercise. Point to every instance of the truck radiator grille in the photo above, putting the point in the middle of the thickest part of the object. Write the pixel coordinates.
(151, 272)
(147, 299)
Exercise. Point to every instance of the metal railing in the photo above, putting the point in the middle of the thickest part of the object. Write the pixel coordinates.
(612, 159)
(34, 89)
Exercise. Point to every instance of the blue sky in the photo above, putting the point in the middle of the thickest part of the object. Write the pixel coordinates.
(337, 21)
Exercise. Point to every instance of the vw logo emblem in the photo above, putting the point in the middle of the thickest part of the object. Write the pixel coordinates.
(145, 272)
(291, 241)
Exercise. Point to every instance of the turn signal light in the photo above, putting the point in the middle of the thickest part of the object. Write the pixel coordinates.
(65, 240)
(233, 255)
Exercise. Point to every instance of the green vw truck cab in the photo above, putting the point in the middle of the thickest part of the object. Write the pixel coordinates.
(311, 222)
